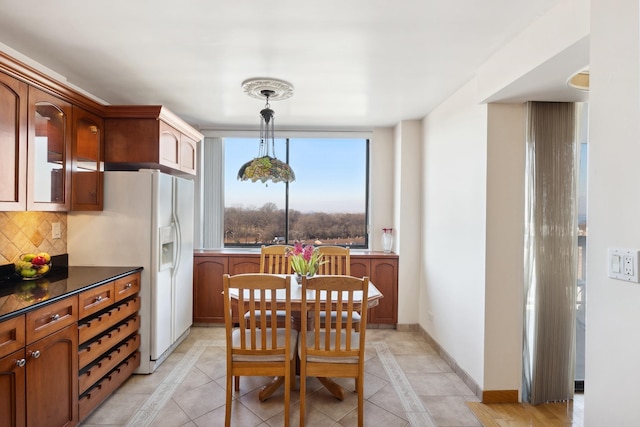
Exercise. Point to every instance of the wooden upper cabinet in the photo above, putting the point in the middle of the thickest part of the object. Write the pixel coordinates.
(149, 137)
(188, 155)
(87, 161)
(13, 144)
(49, 152)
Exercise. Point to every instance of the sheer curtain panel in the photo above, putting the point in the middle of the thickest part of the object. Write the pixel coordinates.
(551, 235)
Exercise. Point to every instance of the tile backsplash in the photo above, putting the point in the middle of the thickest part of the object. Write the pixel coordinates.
(22, 232)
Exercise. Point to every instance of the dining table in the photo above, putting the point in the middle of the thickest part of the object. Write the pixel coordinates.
(373, 297)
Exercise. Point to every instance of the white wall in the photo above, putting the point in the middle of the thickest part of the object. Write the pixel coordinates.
(452, 286)
(381, 181)
(472, 274)
(612, 379)
(407, 215)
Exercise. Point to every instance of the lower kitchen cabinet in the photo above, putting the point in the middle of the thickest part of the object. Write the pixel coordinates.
(108, 340)
(13, 398)
(210, 266)
(52, 387)
(60, 361)
(38, 383)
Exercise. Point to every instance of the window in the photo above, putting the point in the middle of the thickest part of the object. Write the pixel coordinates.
(326, 204)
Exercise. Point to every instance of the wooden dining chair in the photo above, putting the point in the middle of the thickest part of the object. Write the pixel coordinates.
(333, 352)
(258, 347)
(336, 260)
(272, 261)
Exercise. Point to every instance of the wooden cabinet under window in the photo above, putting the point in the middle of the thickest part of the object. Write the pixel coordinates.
(149, 137)
(210, 266)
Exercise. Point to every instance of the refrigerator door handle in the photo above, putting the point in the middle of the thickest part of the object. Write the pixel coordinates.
(178, 230)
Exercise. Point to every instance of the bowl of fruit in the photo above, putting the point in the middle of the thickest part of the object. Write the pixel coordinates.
(33, 266)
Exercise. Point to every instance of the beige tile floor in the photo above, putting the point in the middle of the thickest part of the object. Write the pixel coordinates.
(406, 384)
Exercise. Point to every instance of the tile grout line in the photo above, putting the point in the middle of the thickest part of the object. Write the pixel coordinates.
(413, 407)
(162, 394)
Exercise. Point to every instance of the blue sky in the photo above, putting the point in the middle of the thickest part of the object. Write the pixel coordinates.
(330, 175)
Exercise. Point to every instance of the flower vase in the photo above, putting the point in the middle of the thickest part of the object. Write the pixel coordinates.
(387, 240)
(299, 277)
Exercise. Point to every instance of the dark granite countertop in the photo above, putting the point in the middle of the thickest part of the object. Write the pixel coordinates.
(20, 296)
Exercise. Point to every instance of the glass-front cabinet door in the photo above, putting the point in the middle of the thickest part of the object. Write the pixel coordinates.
(87, 161)
(13, 144)
(49, 153)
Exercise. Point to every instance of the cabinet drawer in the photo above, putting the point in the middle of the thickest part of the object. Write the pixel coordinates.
(95, 396)
(107, 363)
(51, 318)
(96, 299)
(127, 286)
(11, 335)
(91, 328)
(94, 349)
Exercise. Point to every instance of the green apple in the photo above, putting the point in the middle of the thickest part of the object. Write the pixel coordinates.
(28, 257)
(28, 272)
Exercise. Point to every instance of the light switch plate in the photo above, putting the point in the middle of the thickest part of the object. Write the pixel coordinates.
(55, 230)
(623, 264)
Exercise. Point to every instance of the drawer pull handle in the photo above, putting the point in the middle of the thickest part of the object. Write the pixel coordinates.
(55, 317)
(20, 363)
(128, 285)
(35, 354)
(99, 298)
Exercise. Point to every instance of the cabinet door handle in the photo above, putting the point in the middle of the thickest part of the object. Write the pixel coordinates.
(55, 317)
(35, 354)
(20, 363)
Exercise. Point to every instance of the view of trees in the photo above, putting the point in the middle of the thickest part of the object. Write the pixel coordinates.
(264, 225)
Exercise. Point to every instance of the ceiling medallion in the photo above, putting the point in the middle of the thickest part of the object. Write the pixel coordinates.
(278, 89)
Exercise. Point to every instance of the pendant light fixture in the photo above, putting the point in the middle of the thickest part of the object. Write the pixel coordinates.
(266, 166)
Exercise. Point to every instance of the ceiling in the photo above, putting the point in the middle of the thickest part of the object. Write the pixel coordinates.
(354, 64)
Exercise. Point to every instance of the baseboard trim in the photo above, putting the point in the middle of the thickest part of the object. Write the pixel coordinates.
(500, 396)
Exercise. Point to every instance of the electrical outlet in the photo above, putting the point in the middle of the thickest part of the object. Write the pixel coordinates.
(628, 265)
(623, 264)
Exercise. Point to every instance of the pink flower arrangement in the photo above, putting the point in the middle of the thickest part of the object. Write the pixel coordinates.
(305, 260)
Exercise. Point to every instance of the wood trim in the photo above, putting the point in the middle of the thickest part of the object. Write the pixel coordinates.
(500, 396)
(157, 112)
(33, 77)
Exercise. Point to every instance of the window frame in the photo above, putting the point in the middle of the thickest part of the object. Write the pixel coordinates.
(367, 196)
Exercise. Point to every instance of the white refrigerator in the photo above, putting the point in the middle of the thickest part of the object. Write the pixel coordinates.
(147, 221)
